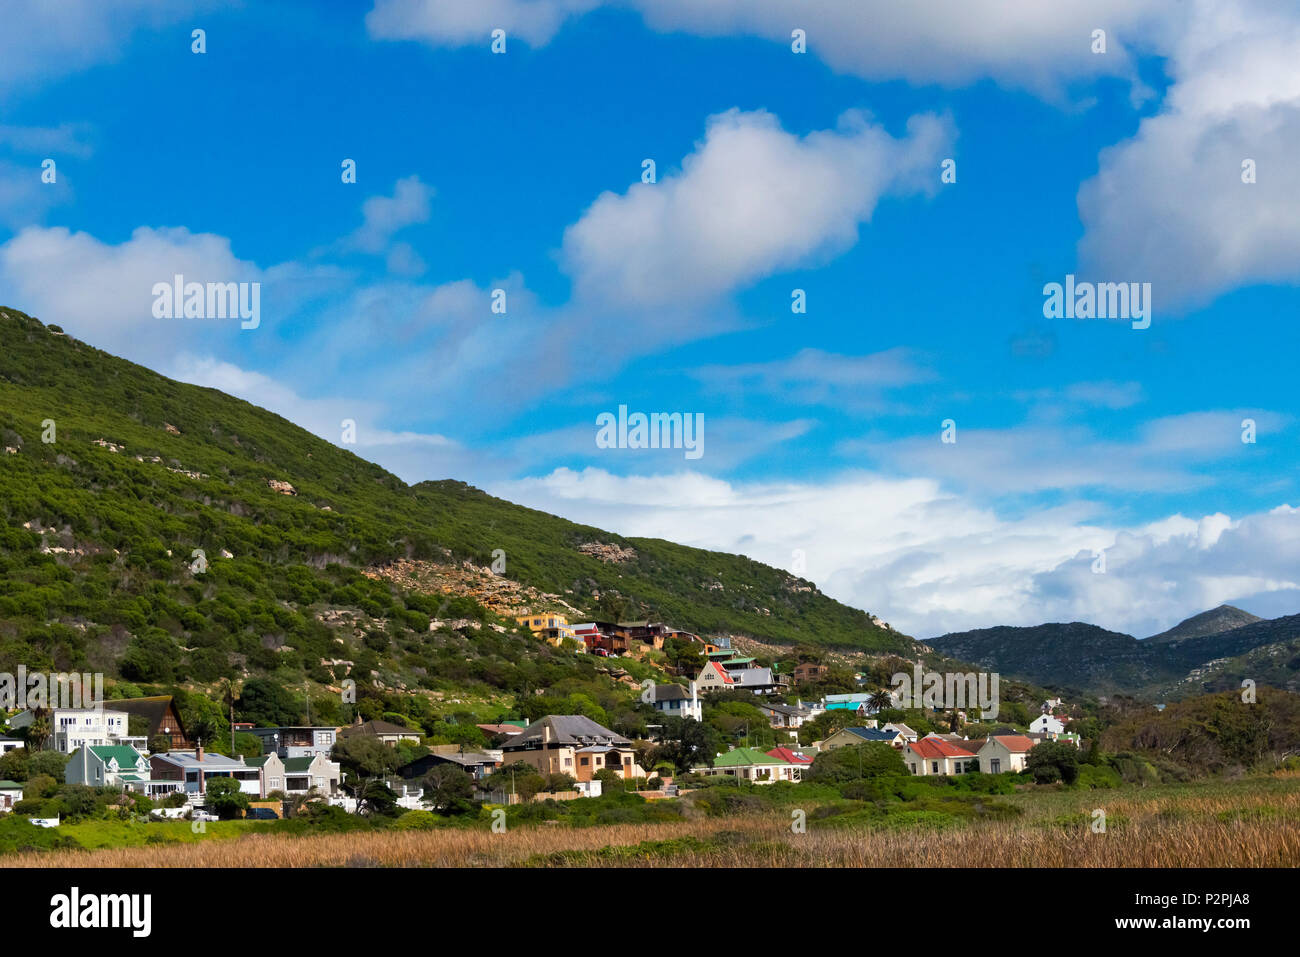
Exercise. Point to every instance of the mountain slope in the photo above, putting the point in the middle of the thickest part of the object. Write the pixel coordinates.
(1212, 622)
(98, 530)
(1074, 655)
(1089, 659)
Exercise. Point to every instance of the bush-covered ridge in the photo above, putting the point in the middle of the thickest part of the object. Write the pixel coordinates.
(100, 527)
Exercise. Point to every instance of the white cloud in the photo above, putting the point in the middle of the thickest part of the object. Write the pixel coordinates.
(752, 199)
(1038, 46)
(813, 376)
(42, 41)
(930, 562)
(103, 293)
(1169, 206)
(461, 22)
(384, 216)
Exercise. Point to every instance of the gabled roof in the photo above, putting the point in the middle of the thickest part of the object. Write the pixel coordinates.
(902, 728)
(938, 748)
(1015, 743)
(671, 693)
(125, 755)
(873, 734)
(565, 729)
(789, 757)
(377, 728)
(298, 765)
(722, 672)
(153, 709)
(743, 757)
(10, 786)
(789, 709)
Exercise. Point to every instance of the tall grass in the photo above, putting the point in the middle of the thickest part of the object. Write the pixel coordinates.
(1254, 823)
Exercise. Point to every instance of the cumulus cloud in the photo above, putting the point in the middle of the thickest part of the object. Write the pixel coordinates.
(1169, 206)
(103, 293)
(931, 562)
(750, 200)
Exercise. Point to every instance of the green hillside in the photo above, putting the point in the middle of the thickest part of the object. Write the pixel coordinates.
(101, 575)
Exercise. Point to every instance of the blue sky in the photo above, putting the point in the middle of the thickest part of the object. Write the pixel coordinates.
(775, 171)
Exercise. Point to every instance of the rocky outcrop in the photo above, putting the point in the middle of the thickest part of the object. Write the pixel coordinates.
(613, 554)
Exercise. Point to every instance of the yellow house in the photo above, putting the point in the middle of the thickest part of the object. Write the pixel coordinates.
(554, 628)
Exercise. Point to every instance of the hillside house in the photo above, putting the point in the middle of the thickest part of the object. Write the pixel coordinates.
(1005, 753)
(750, 764)
(477, 764)
(294, 776)
(303, 741)
(553, 628)
(934, 755)
(387, 732)
(107, 765)
(676, 702)
(785, 717)
(849, 736)
(74, 728)
(1047, 724)
(193, 769)
(161, 716)
(808, 671)
(572, 744)
(907, 733)
(11, 792)
(8, 744)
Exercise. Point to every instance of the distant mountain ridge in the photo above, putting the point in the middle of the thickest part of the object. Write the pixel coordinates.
(1185, 659)
(1212, 622)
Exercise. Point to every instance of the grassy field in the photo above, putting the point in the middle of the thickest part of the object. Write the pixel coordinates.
(1253, 822)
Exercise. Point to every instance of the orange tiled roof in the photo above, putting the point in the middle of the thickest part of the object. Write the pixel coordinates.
(1016, 743)
(938, 748)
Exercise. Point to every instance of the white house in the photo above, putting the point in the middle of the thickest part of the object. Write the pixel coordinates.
(106, 766)
(674, 701)
(934, 755)
(73, 728)
(8, 744)
(1004, 753)
(11, 792)
(1047, 724)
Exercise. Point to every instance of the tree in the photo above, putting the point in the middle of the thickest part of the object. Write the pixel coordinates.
(36, 733)
(1053, 761)
(268, 703)
(448, 789)
(364, 755)
(880, 700)
(52, 763)
(225, 796)
(687, 743)
(376, 798)
(856, 761)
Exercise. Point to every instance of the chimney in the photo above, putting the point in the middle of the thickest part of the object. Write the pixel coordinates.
(199, 752)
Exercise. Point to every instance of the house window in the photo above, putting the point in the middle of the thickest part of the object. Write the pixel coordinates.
(582, 761)
(934, 767)
(995, 765)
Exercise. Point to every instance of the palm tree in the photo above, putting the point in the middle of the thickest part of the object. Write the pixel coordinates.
(39, 730)
(881, 700)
